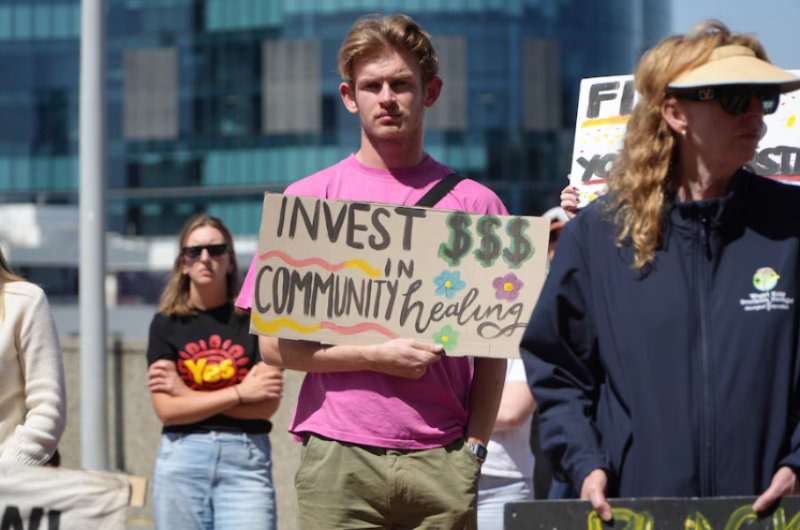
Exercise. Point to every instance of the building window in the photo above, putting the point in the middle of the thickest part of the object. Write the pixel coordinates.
(150, 109)
(292, 102)
(450, 111)
(541, 85)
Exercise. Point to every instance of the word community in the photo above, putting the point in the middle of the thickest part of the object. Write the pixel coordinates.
(370, 299)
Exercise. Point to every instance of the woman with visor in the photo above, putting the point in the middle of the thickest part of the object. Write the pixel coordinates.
(212, 392)
(664, 351)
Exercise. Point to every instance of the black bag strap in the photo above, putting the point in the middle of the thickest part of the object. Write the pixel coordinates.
(438, 192)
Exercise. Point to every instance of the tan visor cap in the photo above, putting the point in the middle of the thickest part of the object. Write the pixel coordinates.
(736, 65)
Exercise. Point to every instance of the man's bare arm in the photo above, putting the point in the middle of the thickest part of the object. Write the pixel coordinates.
(487, 389)
(400, 357)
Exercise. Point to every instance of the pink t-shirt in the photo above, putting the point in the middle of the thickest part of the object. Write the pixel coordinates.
(373, 408)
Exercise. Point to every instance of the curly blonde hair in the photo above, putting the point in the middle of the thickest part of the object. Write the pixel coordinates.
(379, 33)
(640, 180)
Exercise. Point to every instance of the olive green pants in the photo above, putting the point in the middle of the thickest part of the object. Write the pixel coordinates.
(343, 486)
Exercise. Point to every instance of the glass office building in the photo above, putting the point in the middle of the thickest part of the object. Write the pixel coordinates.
(211, 102)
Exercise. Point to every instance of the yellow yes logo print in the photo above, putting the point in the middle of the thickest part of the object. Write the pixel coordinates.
(211, 365)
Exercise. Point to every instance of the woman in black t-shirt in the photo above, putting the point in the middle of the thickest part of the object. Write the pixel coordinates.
(212, 392)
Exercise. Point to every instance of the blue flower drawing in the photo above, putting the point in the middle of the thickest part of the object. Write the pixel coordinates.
(449, 283)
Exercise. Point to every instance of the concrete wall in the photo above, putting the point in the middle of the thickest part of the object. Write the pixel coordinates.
(134, 429)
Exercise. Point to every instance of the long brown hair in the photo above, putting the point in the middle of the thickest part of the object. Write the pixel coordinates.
(175, 297)
(639, 183)
(6, 276)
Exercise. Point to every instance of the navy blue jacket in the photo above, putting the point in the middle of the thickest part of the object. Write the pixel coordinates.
(680, 379)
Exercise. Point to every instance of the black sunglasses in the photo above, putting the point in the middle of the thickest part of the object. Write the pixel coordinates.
(735, 100)
(213, 250)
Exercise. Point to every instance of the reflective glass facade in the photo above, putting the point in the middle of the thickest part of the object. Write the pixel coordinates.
(212, 102)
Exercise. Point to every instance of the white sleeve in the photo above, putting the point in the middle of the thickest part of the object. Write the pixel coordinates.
(516, 371)
(34, 441)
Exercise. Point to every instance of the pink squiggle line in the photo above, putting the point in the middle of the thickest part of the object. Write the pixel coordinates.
(301, 263)
(358, 328)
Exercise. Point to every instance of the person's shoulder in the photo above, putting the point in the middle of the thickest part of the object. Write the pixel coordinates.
(772, 206)
(162, 321)
(315, 185)
(597, 215)
(27, 293)
(478, 198)
(767, 187)
(24, 301)
(235, 315)
(24, 287)
(591, 229)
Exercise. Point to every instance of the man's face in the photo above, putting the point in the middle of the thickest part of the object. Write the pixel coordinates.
(388, 95)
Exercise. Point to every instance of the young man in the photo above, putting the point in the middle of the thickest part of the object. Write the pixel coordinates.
(392, 431)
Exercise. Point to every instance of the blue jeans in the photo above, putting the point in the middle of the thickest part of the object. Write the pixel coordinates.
(214, 481)
(494, 493)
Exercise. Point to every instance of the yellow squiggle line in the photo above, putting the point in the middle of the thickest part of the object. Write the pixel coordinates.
(364, 266)
(791, 120)
(614, 120)
(274, 325)
(633, 520)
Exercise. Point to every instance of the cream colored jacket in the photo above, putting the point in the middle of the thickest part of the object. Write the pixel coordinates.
(32, 398)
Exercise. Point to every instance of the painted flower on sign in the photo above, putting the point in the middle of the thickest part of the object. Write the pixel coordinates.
(447, 337)
(507, 287)
(449, 283)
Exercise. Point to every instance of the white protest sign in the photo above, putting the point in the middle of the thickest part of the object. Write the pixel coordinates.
(61, 499)
(343, 272)
(604, 108)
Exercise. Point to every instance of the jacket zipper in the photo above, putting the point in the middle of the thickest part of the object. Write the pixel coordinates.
(707, 487)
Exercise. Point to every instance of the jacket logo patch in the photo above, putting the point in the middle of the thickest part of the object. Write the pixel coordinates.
(765, 280)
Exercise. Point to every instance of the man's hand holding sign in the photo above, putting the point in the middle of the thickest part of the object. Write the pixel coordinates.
(399, 357)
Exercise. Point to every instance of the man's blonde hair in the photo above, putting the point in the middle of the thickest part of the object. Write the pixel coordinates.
(377, 33)
(641, 179)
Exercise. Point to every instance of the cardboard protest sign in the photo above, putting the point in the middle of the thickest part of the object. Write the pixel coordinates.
(728, 513)
(342, 272)
(604, 108)
(60, 499)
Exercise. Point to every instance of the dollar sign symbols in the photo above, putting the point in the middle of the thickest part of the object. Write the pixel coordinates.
(521, 248)
(491, 246)
(460, 242)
